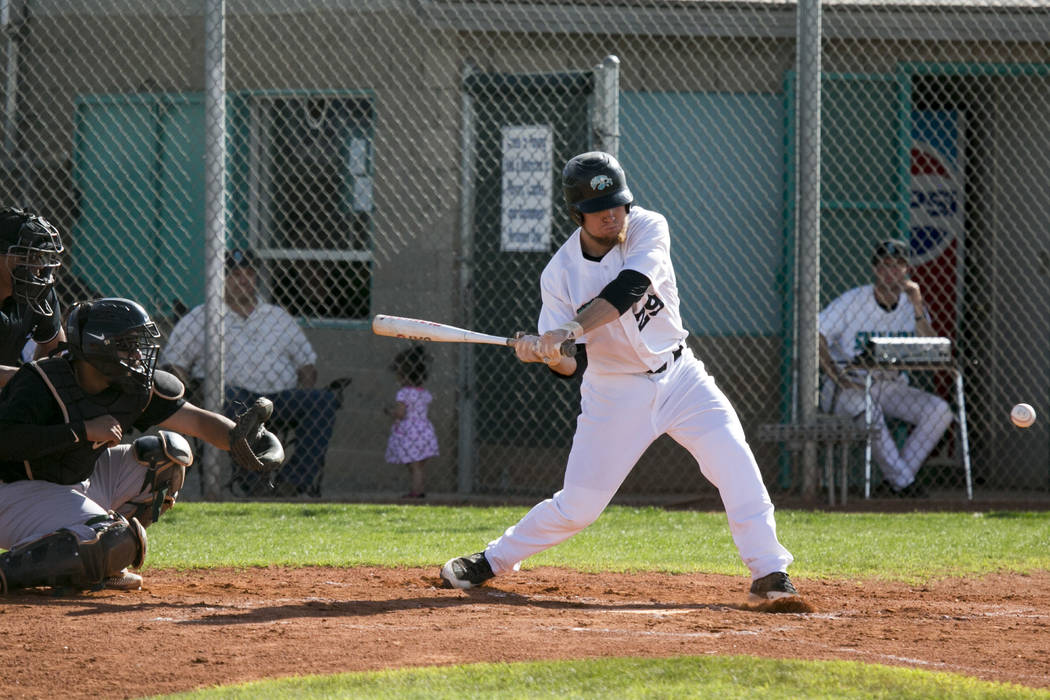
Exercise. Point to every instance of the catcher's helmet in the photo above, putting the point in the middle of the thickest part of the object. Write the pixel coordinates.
(116, 337)
(39, 249)
(594, 181)
(891, 248)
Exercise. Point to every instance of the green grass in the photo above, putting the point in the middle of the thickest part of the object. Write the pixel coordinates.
(725, 678)
(908, 546)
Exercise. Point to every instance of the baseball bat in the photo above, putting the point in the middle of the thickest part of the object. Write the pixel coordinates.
(418, 329)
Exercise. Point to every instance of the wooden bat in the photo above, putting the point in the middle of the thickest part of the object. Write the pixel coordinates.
(418, 329)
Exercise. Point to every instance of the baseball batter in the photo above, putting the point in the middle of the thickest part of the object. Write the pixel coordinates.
(892, 306)
(612, 287)
(73, 502)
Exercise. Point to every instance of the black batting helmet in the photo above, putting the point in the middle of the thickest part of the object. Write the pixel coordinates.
(116, 337)
(594, 181)
(891, 248)
(38, 247)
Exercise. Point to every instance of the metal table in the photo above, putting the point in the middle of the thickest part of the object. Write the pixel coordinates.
(960, 414)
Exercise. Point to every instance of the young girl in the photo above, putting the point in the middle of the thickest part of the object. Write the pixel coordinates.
(412, 437)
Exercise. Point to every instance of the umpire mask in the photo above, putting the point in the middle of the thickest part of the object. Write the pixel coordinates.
(38, 249)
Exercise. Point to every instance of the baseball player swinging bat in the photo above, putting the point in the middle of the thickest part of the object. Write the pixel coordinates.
(418, 329)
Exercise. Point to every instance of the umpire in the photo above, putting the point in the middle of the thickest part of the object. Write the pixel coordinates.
(30, 255)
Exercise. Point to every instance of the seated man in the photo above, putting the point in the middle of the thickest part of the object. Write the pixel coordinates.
(73, 501)
(892, 306)
(266, 353)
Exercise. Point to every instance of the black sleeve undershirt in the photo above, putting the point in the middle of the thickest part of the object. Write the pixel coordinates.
(628, 287)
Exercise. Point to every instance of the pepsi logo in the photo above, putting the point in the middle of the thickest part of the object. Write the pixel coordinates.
(936, 206)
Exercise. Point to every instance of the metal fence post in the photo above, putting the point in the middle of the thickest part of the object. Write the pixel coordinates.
(607, 106)
(465, 401)
(809, 32)
(214, 222)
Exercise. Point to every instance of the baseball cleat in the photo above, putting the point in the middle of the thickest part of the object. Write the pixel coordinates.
(467, 572)
(124, 581)
(775, 585)
(912, 490)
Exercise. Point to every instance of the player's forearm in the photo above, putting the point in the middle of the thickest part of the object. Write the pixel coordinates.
(566, 366)
(594, 315)
(197, 422)
(923, 328)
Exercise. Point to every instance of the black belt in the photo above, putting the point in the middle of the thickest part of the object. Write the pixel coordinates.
(674, 357)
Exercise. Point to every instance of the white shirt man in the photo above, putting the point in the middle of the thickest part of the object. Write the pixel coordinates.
(267, 354)
(892, 306)
(263, 350)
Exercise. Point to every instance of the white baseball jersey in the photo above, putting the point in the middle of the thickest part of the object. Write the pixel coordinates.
(848, 322)
(634, 390)
(638, 341)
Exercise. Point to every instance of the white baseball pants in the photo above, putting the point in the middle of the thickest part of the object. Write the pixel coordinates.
(622, 414)
(929, 414)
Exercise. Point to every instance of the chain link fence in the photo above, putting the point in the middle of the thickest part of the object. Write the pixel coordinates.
(404, 157)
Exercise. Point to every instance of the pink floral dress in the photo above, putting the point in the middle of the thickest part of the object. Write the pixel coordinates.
(412, 438)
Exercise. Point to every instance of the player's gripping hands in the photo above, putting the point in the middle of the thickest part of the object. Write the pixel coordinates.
(546, 349)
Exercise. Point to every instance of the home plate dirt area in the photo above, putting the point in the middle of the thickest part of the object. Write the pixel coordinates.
(188, 629)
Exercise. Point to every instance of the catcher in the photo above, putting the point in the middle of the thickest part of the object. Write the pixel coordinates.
(74, 502)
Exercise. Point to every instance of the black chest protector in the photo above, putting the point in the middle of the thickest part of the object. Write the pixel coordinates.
(76, 464)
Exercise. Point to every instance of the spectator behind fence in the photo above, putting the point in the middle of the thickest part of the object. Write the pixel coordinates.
(413, 439)
(892, 306)
(265, 353)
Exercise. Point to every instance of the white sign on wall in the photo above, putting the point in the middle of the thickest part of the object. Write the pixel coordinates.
(526, 201)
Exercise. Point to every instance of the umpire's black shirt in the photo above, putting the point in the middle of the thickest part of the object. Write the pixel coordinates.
(19, 323)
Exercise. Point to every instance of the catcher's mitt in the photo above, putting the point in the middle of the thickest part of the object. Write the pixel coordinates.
(252, 446)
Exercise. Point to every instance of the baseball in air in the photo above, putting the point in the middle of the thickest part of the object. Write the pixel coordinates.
(1022, 415)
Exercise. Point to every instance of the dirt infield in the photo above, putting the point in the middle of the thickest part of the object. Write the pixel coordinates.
(199, 628)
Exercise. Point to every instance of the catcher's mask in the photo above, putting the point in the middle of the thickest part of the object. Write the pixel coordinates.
(116, 337)
(38, 250)
(594, 181)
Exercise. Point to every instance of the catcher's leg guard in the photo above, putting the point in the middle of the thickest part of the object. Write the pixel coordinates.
(165, 456)
(63, 559)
